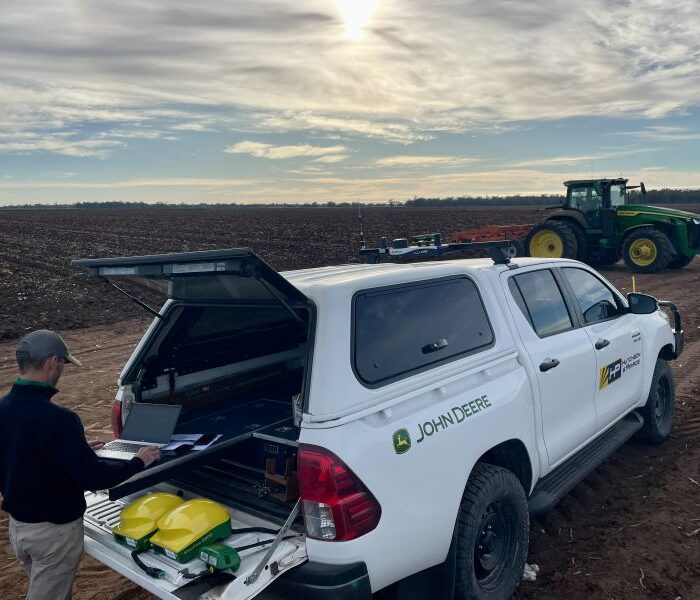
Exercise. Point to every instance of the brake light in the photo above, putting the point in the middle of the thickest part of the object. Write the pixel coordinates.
(337, 505)
(117, 418)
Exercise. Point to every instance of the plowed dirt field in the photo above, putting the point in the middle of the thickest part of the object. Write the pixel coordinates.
(631, 530)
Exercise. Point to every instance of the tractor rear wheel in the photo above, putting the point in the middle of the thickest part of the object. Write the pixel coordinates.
(582, 249)
(680, 261)
(647, 250)
(551, 239)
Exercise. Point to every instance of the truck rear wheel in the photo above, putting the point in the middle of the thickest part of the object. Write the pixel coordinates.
(660, 409)
(551, 239)
(493, 532)
(647, 251)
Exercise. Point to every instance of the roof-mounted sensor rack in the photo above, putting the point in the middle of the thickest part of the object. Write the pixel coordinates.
(431, 245)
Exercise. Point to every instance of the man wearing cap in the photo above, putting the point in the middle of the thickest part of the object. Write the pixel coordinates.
(45, 466)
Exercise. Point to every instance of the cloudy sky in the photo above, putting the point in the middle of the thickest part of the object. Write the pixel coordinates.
(286, 101)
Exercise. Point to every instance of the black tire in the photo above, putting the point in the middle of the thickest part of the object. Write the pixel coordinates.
(680, 261)
(583, 252)
(493, 533)
(515, 248)
(656, 242)
(566, 247)
(660, 409)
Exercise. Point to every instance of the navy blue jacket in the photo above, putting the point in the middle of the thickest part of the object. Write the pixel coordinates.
(45, 462)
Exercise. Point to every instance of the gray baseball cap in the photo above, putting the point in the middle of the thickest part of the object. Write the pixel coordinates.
(44, 343)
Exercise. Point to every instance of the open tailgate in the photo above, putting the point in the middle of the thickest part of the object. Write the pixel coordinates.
(102, 514)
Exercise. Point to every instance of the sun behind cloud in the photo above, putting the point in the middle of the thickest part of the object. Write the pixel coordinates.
(357, 15)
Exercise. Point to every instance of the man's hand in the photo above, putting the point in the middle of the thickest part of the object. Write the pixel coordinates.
(95, 445)
(149, 455)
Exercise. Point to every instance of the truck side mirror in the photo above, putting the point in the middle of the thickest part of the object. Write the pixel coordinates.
(642, 304)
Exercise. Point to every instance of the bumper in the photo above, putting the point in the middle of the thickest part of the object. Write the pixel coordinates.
(677, 327)
(319, 581)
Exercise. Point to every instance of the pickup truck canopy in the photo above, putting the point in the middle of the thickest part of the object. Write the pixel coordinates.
(230, 274)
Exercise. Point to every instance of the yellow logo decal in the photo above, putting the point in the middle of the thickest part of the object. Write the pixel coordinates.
(610, 373)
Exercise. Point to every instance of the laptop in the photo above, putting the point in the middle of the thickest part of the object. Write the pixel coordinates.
(146, 425)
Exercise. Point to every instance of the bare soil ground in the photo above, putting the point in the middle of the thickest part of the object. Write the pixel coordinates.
(631, 530)
(38, 287)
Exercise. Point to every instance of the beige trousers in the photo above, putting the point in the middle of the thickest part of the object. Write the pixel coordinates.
(50, 555)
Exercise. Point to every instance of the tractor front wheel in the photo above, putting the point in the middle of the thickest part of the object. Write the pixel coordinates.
(551, 239)
(647, 251)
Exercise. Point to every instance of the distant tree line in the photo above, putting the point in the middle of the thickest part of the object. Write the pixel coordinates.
(663, 196)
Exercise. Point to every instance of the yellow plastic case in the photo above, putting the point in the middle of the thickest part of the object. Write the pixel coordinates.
(138, 521)
(185, 529)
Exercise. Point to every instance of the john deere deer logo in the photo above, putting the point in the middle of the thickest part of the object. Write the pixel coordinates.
(402, 441)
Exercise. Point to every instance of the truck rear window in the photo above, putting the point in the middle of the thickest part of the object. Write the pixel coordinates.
(404, 329)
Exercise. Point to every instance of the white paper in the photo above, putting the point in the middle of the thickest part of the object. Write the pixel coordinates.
(185, 437)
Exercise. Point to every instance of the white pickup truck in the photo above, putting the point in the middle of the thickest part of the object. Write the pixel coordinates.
(419, 412)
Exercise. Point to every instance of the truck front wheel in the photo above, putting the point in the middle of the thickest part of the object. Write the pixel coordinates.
(493, 532)
(660, 408)
(647, 250)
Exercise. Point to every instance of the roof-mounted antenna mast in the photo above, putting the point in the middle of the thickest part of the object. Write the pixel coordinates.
(363, 244)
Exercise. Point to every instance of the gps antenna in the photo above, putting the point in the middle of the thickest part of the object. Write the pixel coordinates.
(363, 244)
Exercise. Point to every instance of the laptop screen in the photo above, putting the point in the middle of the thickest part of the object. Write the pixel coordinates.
(153, 423)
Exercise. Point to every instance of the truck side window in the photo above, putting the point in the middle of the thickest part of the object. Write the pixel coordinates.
(596, 301)
(404, 329)
(544, 304)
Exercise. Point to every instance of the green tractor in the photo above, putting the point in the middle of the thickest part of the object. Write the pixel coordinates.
(598, 225)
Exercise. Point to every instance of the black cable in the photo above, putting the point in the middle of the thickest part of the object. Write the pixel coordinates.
(150, 571)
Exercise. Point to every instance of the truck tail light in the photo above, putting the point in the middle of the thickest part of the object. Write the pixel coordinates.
(117, 418)
(337, 505)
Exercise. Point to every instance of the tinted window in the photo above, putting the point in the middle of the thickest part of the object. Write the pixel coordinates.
(402, 330)
(585, 198)
(518, 297)
(595, 299)
(545, 305)
(617, 196)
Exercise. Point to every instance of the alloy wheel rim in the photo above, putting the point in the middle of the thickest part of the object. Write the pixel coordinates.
(643, 252)
(546, 244)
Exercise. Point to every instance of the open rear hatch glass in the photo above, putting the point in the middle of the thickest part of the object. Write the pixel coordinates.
(231, 274)
(235, 276)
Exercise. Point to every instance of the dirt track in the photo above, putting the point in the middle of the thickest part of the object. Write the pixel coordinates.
(626, 532)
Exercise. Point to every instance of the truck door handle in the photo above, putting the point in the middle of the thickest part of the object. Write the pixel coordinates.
(600, 344)
(549, 363)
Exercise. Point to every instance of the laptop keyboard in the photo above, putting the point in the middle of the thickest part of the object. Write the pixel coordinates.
(123, 447)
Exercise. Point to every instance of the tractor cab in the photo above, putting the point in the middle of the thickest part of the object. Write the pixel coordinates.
(597, 201)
